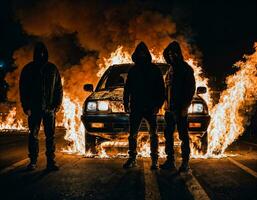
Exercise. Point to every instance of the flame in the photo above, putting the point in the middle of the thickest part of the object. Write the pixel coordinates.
(75, 131)
(119, 56)
(228, 116)
(201, 81)
(11, 122)
(226, 120)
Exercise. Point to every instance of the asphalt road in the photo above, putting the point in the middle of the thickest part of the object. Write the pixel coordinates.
(93, 178)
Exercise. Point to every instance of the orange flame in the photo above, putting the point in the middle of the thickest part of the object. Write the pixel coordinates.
(75, 131)
(11, 123)
(228, 117)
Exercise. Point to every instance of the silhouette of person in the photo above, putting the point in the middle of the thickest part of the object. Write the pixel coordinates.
(180, 89)
(144, 94)
(41, 97)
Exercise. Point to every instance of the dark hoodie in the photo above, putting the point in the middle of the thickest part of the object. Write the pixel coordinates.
(40, 83)
(144, 88)
(182, 81)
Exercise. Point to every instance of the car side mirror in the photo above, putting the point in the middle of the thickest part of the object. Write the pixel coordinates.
(201, 90)
(89, 87)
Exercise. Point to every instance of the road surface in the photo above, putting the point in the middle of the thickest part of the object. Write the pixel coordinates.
(93, 178)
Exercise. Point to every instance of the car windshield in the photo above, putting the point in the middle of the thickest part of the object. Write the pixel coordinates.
(116, 77)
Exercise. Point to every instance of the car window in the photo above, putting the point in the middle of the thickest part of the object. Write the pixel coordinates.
(114, 80)
(116, 77)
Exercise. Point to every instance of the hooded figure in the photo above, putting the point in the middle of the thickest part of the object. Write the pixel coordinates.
(41, 97)
(181, 82)
(144, 88)
(144, 94)
(180, 89)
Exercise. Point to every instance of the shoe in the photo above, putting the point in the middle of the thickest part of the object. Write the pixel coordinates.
(184, 168)
(168, 165)
(52, 167)
(31, 166)
(154, 165)
(130, 163)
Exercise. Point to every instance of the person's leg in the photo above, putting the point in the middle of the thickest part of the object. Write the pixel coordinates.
(49, 128)
(169, 140)
(34, 121)
(135, 121)
(151, 119)
(169, 135)
(184, 137)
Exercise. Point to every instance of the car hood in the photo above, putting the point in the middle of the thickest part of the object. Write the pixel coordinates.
(117, 95)
(112, 94)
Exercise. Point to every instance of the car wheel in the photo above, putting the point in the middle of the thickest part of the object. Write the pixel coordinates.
(90, 143)
(204, 143)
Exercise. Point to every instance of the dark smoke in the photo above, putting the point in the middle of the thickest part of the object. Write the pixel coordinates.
(99, 28)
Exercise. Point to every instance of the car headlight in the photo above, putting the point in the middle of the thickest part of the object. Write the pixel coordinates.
(103, 105)
(195, 108)
(91, 106)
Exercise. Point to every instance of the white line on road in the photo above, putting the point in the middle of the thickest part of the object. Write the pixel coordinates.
(243, 167)
(194, 187)
(15, 165)
(151, 186)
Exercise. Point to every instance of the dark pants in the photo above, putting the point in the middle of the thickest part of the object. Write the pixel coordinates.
(34, 121)
(172, 119)
(135, 121)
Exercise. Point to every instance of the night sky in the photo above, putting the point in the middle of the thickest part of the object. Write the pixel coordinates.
(222, 30)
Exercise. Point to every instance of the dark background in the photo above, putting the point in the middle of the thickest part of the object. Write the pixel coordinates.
(223, 31)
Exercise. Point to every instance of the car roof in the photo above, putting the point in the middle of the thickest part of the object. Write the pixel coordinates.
(126, 66)
(132, 64)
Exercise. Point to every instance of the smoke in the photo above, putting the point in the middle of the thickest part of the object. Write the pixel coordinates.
(98, 27)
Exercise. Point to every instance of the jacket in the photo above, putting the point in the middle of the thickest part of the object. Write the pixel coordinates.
(144, 88)
(40, 84)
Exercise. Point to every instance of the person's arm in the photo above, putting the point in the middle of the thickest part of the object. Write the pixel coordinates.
(23, 88)
(192, 82)
(58, 92)
(191, 86)
(161, 87)
(126, 94)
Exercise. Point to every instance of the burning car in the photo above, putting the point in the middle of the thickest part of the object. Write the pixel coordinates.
(104, 117)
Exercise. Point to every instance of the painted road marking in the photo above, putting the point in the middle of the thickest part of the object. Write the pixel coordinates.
(194, 186)
(243, 167)
(151, 186)
(250, 143)
(15, 165)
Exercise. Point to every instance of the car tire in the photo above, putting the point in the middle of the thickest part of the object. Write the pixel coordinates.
(204, 143)
(90, 143)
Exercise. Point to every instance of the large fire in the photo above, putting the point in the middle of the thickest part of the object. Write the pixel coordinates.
(226, 120)
(227, 117)
(235, 106)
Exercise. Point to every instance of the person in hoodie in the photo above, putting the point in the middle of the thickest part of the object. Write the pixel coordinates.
(144, 94)
(180, 89)
(41, 97)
